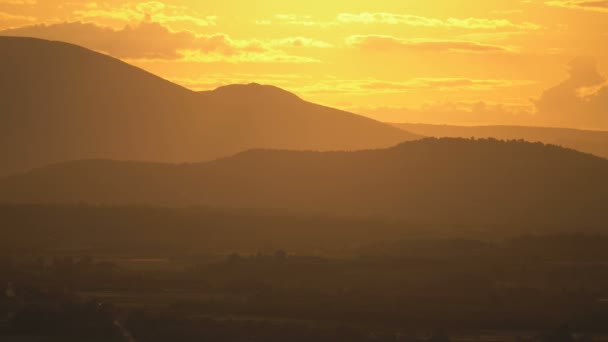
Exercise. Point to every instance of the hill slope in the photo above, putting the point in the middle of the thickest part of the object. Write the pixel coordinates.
(62, 102)
(594, 142)
(447, 181)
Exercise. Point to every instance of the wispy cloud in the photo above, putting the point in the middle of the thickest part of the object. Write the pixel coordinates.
(386, 18)
(19, 2)
(375, 86)
(144, 11)
(8, 20)
(295, 19)
(389, 43)
(267, 56)
(412, 20)
(455, 113)
(597, 6)
(147, 40)
(300, 42)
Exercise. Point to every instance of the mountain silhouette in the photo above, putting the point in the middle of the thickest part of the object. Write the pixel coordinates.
(443, 181)
(594, 142)
(63, 102)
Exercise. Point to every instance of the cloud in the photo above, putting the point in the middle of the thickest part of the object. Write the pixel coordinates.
(295, 19)
(244, 56)
(412, 20)
(144, 11)
(597, 6)
(8, 20)
(18, 2)
(579, 101)
(149, 40)
(297, 42)
(374, 86)
(389, 43)
(590, 92)
(453, 113)
(144, 40)
(401, 19)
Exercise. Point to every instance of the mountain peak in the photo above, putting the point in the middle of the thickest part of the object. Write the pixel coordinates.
(254, 91)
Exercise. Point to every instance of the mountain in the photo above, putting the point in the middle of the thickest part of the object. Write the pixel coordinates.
(594, 142)
(442, 181)
(63, 102)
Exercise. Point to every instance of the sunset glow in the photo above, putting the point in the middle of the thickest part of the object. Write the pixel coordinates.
(439, 61)
(303, 171)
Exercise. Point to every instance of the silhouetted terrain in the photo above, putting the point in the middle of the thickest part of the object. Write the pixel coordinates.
(444, 181)
(62, 102)
(135, 210)
(133, 230)
(594, 142)
(76, 273)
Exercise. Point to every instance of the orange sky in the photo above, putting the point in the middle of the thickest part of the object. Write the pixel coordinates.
(436, 61)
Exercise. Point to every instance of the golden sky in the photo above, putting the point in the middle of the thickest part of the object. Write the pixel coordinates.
(436, 61)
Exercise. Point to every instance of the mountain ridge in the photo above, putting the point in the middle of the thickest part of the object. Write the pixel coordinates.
(442, 181)
(64, 102)
(588, 141)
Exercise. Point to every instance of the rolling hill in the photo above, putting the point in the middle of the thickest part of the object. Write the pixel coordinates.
(442, 181)
(63, 102)
(594, 142)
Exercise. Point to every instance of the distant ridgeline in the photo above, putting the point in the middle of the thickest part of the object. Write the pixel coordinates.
(594, 142)
(479, 183)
